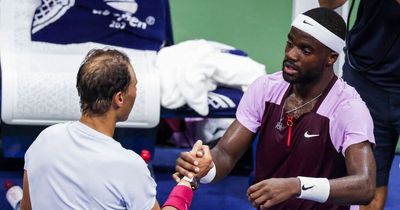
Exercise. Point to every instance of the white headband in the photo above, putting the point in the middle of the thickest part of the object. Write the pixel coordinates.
(319, 32)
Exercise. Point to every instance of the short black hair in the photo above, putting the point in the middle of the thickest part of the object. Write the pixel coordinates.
(329, 19)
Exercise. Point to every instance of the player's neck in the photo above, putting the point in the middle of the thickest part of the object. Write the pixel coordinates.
(312, 89)
(102, 124)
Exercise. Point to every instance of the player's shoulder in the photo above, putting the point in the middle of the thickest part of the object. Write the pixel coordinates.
(342, 99)
(53, 130)
(270, 79)
(345, 93)
(269, 83)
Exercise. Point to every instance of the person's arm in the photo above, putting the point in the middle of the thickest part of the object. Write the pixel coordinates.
(231, 148)
(224, 155)
(183, 200)
(157, 206)
(181, 195)
(26, 201)
(357, 187)
(331, 4)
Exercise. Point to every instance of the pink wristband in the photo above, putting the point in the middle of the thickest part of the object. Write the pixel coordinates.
(180, 197)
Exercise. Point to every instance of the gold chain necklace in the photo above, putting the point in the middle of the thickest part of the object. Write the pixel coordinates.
(279, 125)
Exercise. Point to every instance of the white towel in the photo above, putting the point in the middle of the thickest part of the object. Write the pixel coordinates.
(190, 69)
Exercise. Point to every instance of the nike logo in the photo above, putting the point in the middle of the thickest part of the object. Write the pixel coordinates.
(307, 135)
(304, 21)
(306, 188)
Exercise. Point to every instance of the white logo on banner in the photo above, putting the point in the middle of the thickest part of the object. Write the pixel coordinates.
(129, 6)
(122, 20)
(49, 12)
(220, 101)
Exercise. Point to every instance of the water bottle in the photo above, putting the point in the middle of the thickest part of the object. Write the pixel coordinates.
(13, 194)
(146, 155)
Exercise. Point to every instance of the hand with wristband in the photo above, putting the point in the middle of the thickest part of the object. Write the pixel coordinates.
(198, 161)
(182, 194)
(180, 197)
(269, 192)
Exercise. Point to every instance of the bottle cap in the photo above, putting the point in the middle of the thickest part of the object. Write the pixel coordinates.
(7, 184)
(146, 155)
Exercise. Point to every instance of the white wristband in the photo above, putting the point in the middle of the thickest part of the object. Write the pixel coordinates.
(187, 179)
(314, 189)
(209, 176)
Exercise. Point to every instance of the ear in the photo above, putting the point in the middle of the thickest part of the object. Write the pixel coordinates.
(332, 57)
(118, 99)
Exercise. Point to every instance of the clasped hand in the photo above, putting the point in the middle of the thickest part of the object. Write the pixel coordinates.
(195, 163)
(262, 195)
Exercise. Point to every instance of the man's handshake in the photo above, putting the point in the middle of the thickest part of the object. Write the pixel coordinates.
(195, 163)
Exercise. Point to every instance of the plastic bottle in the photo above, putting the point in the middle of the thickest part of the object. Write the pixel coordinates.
(146, 155)
(13, 194)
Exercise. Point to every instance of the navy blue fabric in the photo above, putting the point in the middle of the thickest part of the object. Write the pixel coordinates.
(374, 43)
(233, 94)
(384, 109)
(237, 52)
(216, 109)
(147, 28)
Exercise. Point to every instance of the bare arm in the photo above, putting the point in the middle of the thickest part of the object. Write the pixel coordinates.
(26, 201)
(358, 186)
(233, 144)
(157, 205)
(332, 4)
(198, 148)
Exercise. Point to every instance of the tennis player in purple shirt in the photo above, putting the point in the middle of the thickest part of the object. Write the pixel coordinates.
(316, 134)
